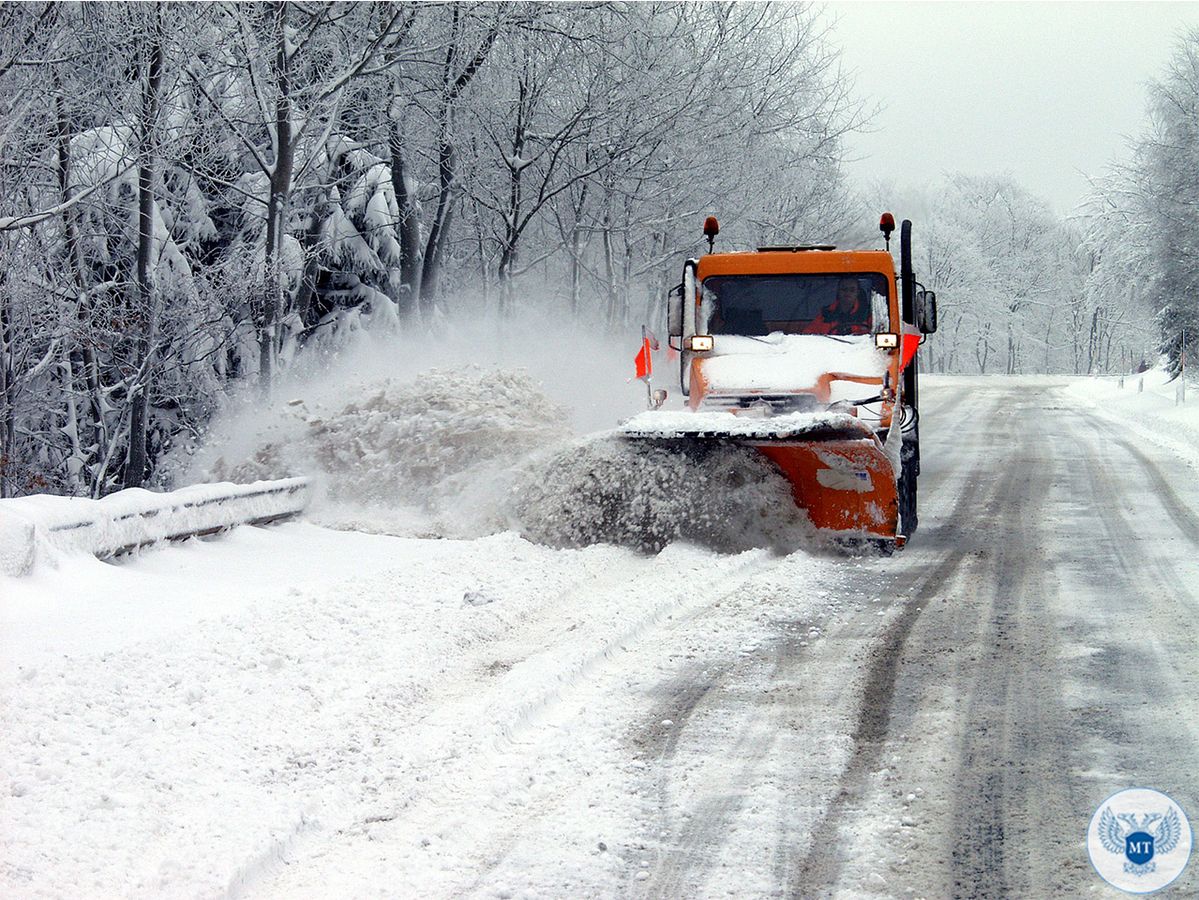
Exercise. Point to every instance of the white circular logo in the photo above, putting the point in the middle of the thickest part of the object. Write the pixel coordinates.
(1139, 840)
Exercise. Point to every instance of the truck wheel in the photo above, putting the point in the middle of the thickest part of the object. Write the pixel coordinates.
(910, 461)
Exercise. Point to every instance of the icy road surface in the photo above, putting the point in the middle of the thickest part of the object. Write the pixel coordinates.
(294, 712)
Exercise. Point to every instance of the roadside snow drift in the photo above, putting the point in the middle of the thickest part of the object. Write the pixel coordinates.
(428, 457)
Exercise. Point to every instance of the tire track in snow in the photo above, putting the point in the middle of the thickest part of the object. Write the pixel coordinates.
(680, 868)
(1173, 596)
(506, 715)
(945, 402)
(985, 729)
(677, 702)
(1113, 681)
(680, 872)
(953, 664)
(1184, 517)
(1005, 718)
(1160, 663)
(819, 869)
(1029, 760)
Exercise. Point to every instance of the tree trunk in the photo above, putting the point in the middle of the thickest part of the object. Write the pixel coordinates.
(277, 205)
(440, 229)
(609, 270)
(1093, 343)
(576, 268)
(8, 426)
(88, 367)
(576, 242)
(139, 413)
(452, 86)
(409, 225)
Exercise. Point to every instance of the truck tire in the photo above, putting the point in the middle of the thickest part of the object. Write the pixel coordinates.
(909, 470)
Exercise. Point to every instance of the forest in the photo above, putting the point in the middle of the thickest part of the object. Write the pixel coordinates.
(195, 198)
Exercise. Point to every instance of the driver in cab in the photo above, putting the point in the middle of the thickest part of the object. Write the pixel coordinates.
(847, 313)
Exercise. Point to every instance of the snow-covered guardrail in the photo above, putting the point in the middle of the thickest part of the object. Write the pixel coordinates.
(135, 518)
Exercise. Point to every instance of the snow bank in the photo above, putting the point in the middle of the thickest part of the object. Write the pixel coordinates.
(43, 526)
(219, 719)
(643, 495)
(431, 457)
(1150, 405)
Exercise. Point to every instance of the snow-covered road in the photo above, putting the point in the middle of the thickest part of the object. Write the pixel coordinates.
(295, 712)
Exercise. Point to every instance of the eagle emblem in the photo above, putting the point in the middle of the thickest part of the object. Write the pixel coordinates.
(1140, 841)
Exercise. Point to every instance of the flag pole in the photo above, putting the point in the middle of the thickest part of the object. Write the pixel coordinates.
(649, 370)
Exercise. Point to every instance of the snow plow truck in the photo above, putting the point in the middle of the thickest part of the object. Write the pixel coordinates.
(806, 353)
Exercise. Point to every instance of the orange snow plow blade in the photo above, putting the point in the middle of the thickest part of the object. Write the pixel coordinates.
(846, 486)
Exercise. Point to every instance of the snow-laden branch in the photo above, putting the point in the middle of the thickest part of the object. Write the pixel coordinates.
(11, 223)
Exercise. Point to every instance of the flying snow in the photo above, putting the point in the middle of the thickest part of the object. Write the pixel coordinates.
(460, 450)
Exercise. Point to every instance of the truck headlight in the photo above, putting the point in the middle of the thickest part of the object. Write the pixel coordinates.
(700, 343)
(886, 341)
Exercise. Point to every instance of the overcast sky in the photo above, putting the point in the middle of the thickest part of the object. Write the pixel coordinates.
(1045, 91)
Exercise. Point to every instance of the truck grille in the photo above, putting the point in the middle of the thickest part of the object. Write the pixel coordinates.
(769, 404)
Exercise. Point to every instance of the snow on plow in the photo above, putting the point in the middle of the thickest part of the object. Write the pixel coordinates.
(647, 494)
(838, 470)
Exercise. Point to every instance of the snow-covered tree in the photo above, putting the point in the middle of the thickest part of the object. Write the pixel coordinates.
(191, 196)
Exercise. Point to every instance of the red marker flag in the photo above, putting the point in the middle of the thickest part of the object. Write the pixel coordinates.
(644, 360)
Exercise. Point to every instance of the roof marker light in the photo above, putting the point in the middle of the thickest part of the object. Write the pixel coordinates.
(886, 224)
(711, 229)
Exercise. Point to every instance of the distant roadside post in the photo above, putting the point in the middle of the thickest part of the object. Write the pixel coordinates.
(1180, 395)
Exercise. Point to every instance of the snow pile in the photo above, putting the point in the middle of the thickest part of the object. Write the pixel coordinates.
(470, 453)
(646, 495)
(466, 454)
(432, 456)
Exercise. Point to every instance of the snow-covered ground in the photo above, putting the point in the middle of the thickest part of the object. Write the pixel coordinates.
(1150, 406)
(303, 711)
(182, 722)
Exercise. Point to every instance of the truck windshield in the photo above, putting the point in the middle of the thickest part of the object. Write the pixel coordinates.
(851, 303)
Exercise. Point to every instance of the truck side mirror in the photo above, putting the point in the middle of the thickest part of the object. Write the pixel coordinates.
(686, 324)
(926, 312)
(674, 311)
